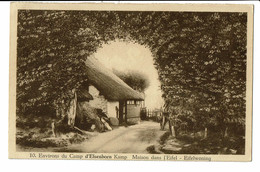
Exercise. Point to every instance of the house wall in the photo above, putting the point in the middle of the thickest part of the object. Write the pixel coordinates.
(98, 101)
(111, 108)
(133, 114)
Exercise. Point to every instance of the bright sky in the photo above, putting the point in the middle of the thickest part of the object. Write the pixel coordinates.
(124, 56)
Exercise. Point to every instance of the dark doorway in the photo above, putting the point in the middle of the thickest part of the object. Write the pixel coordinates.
(121, 111)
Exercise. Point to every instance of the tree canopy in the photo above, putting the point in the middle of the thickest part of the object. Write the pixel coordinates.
(136, 80)
(200, 57)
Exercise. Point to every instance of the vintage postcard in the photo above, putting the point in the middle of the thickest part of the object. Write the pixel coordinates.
(167, 82)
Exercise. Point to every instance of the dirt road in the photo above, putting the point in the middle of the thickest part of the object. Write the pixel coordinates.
(131, 139)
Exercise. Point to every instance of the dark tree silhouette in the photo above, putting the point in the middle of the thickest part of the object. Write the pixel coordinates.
(136, 80)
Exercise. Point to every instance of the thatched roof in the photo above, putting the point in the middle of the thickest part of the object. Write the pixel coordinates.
(111, 86)
(83, 95)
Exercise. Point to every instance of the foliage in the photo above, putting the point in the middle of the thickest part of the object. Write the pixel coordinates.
(136, 80)
(200, 57)
(214, 144)
(52, 48)
(201, 60)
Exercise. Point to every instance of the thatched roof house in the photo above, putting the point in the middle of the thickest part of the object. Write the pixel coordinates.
(111, 86)
(107, 92)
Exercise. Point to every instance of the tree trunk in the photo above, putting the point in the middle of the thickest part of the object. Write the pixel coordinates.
(194, 132)
(226, 132)
(163, 122)
(72, 109)
(172, 130)
(57, 104)
(53, 128)
(60, 109)
(205, 133)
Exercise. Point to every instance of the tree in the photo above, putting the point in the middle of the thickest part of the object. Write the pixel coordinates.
(52, 47)
(200, 58)
(202, 61)
(136, 80)
(50, 59)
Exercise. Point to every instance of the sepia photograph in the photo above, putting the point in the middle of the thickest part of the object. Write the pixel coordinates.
(131, 82)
